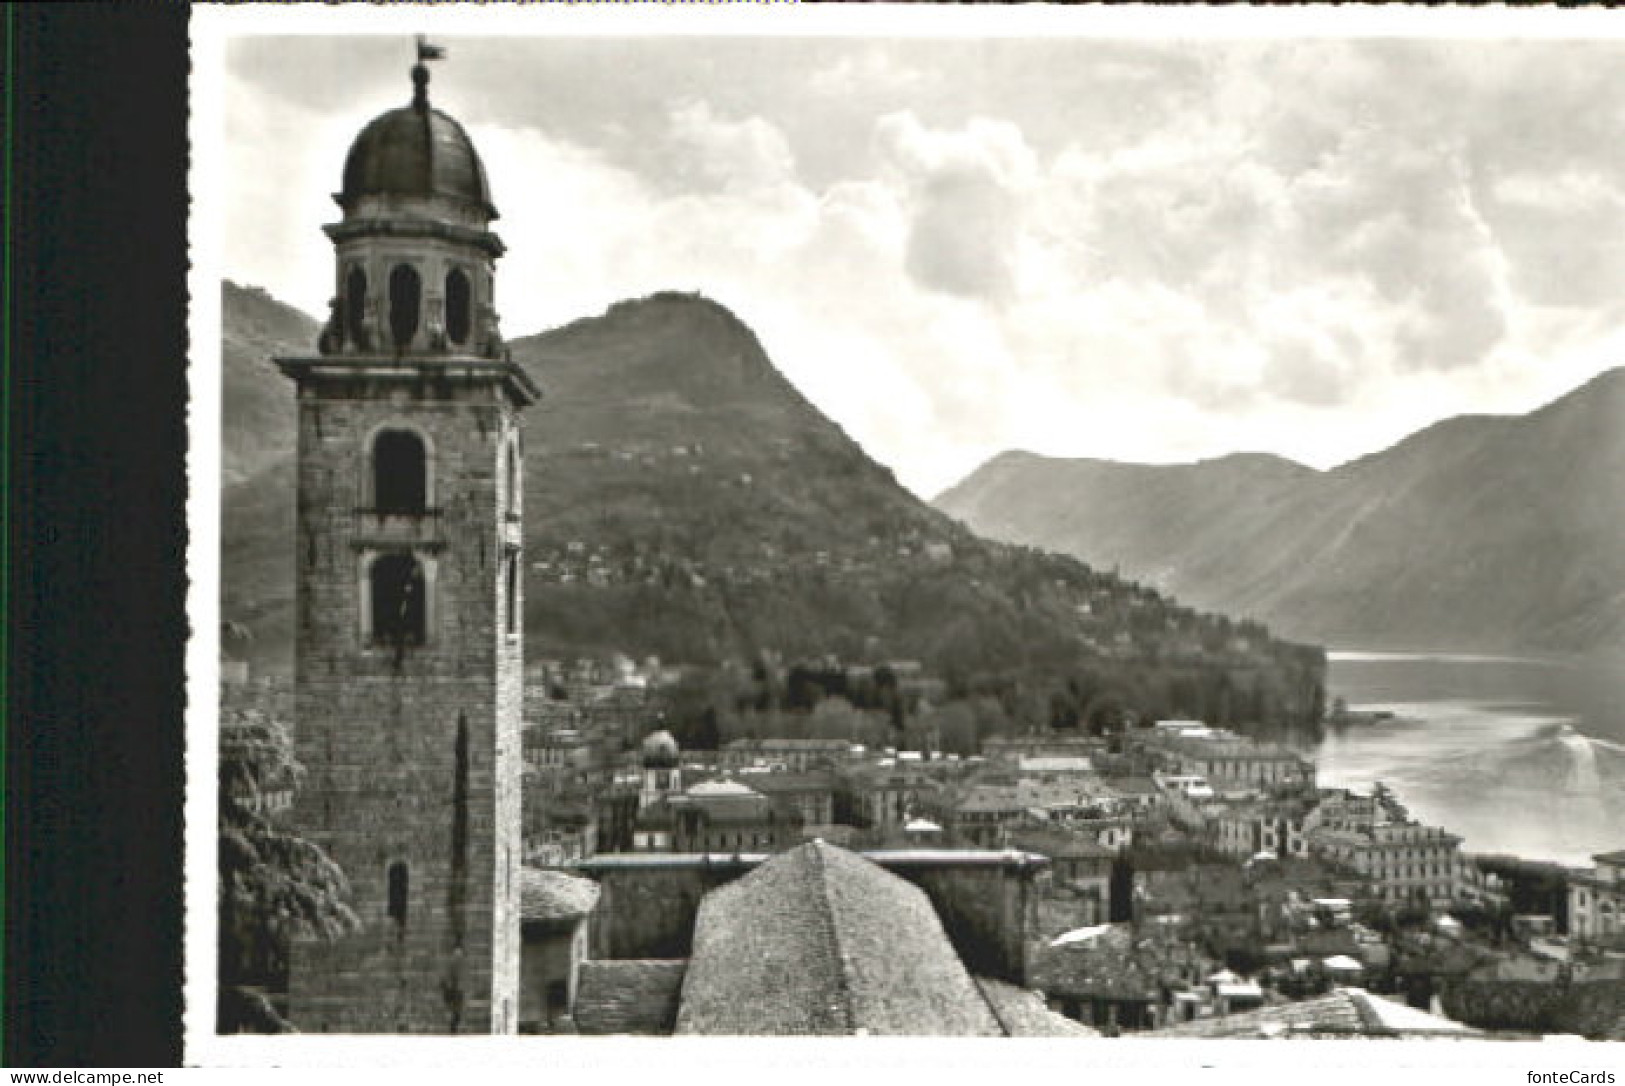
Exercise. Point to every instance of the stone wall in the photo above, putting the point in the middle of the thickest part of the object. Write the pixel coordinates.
(1594, 1009)
(986, 911)
(648, 904)
(648, 910)
(412, 754)
(549, 957)
(629, 997)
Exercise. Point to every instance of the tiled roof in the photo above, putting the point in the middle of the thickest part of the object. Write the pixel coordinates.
(819, 941)
(1055, 763)
(1094, 968)
(735, 814)
(1343, 1012)
(1133, 786)
(989, 798)
(628, 996)
(1022, 1013)
(1108, 962)
(789, 744)
(879, 776)
(1610, 857)
(554, 895)
(1082, 935)
(768, 783)
(722, 789)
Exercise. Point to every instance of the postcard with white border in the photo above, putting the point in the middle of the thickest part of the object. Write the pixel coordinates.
(721, 528)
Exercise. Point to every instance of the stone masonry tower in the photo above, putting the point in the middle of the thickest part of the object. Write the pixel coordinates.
(408, 650)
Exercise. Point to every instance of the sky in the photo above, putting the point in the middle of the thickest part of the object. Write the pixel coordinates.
(1142, 249)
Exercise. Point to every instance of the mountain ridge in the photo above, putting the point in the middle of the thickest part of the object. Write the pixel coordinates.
(684, 500)
(1477, 531)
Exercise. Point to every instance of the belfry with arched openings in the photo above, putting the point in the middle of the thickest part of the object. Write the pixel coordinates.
(409, 626)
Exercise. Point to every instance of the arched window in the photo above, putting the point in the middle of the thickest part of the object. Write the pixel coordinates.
(399, 617)
(398, 886)
(400, 475)
(458, 307)
(405, 293)
(355, 307)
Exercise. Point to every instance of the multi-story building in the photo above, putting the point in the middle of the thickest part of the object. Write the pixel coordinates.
(1246, 767)
(1074, 792)
(808, 797)
(1136, 795)
(798, 755)
(1248, 827)
(1186, 797)
(1406, 863)
(1232, 764)
(715, 816)
(1055, 768)
(871, 796)
(1012, 747)
(981, 815)
(1341, 809)
(556, 748)
(1597, 899)
(1077, 862)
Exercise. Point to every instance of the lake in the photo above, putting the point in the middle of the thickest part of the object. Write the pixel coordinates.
(1515, 754)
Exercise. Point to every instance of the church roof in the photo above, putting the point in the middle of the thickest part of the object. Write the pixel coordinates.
(820, 941)
(1344, 1012)
(415, 151)
(782, 783)
(554, 895)
(722, 789)
(1022, 1013)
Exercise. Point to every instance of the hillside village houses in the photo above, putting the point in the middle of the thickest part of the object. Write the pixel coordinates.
(774, 789)
(599, 793)
(1066, 798)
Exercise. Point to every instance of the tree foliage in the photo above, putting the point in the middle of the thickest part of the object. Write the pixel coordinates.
(274, 885)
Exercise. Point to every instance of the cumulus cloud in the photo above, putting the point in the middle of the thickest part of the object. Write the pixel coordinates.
(965, 190)
(733, 155)
(1137, 250)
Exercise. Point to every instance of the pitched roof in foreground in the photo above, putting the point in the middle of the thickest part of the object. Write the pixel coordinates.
(1343, 1012)
(1022, 1013)
(547, 896)
(628, 996)
(820, 941)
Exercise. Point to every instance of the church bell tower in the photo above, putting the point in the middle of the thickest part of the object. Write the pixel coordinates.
(409, 626)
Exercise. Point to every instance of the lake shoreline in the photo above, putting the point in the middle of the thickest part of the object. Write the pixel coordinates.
(1519, 755)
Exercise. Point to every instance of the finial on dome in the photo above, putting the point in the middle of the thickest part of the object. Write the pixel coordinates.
(420, 72)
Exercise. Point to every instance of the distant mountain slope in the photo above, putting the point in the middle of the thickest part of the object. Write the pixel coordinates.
(1491, 532)
(683, 499)
(257, 406)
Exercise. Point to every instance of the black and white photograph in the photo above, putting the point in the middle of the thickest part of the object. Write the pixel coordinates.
(1100, 526)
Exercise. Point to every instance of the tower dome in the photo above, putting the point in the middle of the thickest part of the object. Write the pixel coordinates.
(415, 267)
(417, 151)
(659, 750)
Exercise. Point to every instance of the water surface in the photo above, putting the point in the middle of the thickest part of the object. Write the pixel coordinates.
(1515, 754)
